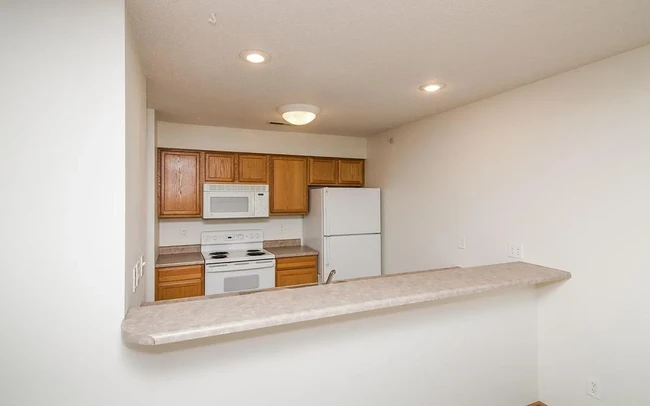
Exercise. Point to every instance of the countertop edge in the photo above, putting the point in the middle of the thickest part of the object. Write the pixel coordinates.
(316, 314)
(255, 323)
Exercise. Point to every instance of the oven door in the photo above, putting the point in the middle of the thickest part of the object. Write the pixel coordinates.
(239, 276)
(228, 204)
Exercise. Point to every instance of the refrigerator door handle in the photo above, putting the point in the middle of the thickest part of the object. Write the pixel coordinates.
(326, 222)
(327, 253)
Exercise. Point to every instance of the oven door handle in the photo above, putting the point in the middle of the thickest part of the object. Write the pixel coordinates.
(240, 266)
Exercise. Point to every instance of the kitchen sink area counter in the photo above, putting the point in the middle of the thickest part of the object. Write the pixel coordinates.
(207, 317)
(292, 252)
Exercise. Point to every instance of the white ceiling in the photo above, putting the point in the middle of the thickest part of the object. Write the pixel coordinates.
(360, 61)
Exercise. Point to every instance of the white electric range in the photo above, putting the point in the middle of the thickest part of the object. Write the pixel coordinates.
(236, 261)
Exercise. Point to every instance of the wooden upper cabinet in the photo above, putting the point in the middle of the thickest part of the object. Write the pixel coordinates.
(351, 172)
(323, 171)
(253, 168)
(179, 177)
(288, 186)
(220, 167)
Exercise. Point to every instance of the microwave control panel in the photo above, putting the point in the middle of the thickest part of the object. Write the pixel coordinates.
(261, 204)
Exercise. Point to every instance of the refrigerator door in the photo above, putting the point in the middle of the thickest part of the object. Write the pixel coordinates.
(352, 256)
(350, 211)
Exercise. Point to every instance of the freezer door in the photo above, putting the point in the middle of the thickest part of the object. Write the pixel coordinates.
(350, 211)
(353, 256)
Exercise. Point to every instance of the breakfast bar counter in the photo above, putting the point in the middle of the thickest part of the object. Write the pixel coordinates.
(213, 316)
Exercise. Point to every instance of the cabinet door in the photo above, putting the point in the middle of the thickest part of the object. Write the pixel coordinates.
(296, 277)
(179, 282)
(296, 271)
(179, 183)
(288, 189)
(219, 167)
(179, 289)
(322, 171)
(253, 168)
(351, 172)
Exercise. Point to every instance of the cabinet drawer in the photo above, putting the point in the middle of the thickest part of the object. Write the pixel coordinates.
(296, 263)
(179, 273)
(179, 289)
(292, 277)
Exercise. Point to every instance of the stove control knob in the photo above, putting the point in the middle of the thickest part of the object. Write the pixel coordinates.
(240, 236)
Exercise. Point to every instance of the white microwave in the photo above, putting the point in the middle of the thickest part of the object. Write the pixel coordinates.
(227, 201)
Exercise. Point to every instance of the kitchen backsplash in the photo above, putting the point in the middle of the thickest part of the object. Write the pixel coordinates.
(188, 231)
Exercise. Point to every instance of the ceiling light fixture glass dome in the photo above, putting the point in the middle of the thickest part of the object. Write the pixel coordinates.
(298, 114)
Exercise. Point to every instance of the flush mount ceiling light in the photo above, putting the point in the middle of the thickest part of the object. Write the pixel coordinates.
(431, 87)
(298, 114)
(255, 56)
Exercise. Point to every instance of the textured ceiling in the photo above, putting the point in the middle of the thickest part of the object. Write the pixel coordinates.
(361, 62)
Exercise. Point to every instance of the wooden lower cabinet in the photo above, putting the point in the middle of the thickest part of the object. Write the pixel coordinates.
(180, 282)
(296, 271)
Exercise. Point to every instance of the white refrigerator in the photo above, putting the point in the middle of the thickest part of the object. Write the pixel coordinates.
(344, 226)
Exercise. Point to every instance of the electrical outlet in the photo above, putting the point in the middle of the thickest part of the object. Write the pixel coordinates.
(183, 233)
(593, 388)
(516, 250)
(461, 243)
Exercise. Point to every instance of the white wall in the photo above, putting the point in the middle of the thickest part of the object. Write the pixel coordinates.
(136, 171)
(280, 228)
(561, 165)
(152, 208)
(63, 191)
(60, 342)
(172, 135)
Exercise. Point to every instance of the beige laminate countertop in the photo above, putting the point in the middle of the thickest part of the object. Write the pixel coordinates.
(184, 259)
(294, 251)
(181, 321)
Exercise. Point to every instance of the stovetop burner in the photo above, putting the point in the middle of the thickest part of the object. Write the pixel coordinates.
(253, 250)
(219, 253)
(218, 256)
(254, 253)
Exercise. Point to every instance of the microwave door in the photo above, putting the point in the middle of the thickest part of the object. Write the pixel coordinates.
(229, 204)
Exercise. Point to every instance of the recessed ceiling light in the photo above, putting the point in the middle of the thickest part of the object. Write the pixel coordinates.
(431, 87)
(255, 56)
(298, 114)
